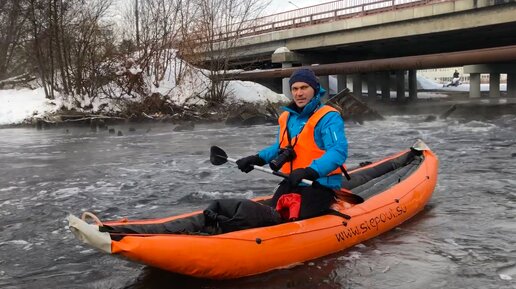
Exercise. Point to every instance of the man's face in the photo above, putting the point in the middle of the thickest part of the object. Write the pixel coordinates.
(302, 93)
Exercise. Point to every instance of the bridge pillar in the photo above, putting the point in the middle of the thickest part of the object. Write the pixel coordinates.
(324, 80)
(474, 85)
(285, 86)
(494, 84)
(371, 85)
(342, 82)
(412, 84)
(511, 84)
(400, 85)
(494, 79)
(385, 83)
(286, 57)
(357, 85)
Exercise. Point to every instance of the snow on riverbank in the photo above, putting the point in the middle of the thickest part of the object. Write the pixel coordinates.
(19, 104)
(16, 105)
(427, 84)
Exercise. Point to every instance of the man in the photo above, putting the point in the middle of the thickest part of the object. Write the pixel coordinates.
(311, 144)
(456, 74)
(455, 79)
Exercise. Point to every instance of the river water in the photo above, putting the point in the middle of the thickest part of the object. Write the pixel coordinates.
(465, 238)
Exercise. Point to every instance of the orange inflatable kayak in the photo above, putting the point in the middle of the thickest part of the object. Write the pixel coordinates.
(391, 191)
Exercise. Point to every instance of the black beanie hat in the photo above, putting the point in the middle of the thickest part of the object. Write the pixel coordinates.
(305, 75)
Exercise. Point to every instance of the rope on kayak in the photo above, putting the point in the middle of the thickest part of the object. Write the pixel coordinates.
(90, 215)
(339, 214)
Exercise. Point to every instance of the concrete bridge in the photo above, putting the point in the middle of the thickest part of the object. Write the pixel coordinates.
(380, 41)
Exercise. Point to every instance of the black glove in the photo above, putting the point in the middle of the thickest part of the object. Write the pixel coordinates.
(246, 164)
(298, 174)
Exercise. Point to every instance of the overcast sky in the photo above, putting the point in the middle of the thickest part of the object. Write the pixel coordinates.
(277, 6)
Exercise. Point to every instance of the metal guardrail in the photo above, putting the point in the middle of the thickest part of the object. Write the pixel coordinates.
(320, 13)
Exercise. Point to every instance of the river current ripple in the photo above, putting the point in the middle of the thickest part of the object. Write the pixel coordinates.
(465, 238)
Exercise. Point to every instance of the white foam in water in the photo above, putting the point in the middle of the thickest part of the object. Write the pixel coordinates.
(218, 195)
(351, 256)
(8, 202)
(451, 241)
(90, 188)
(17, 242)
(26, 245)
(481, 124)
(507, 272)
(386, 269)
(65, 193)
(87, 251)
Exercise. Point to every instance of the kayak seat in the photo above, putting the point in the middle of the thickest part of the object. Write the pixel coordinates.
(374, 179)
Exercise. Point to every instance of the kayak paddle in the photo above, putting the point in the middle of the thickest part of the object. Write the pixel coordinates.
(218, 157)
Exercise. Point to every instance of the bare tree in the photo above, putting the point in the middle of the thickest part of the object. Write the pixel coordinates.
(215, 35)
(13, 18)
(69, 42)
(90, 48)
(156, 28)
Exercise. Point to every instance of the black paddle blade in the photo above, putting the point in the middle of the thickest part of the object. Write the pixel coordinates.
(218, 156)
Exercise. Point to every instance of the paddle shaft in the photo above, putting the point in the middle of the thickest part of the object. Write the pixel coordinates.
(279, 174)
(218, 156)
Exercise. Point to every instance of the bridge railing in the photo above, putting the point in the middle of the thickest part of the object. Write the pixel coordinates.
(320, 13)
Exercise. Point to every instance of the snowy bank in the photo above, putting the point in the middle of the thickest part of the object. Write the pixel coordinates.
(16, 105)
(179, 85)
(19, 105)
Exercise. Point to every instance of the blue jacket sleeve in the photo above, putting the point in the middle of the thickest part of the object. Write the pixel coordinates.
(271, 152)
(330, 136)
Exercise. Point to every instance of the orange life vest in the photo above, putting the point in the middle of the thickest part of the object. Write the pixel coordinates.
(304, 143)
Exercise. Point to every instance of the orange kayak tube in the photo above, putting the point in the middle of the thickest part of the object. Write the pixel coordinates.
(254, 251)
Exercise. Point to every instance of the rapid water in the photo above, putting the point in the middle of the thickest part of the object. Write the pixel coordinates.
(465, 238)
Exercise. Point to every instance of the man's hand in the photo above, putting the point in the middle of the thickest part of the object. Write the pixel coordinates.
(246, 164)
(299, 174)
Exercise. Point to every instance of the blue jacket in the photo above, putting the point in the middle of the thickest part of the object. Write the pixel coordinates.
(329, 136)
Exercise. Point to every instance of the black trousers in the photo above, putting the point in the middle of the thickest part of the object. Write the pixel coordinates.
(315, 200)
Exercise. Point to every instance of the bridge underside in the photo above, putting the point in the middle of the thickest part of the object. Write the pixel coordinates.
(431, 43)
(436, 27)
(458, 40)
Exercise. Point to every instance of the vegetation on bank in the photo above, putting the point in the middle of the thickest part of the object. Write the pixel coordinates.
(157, 61)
